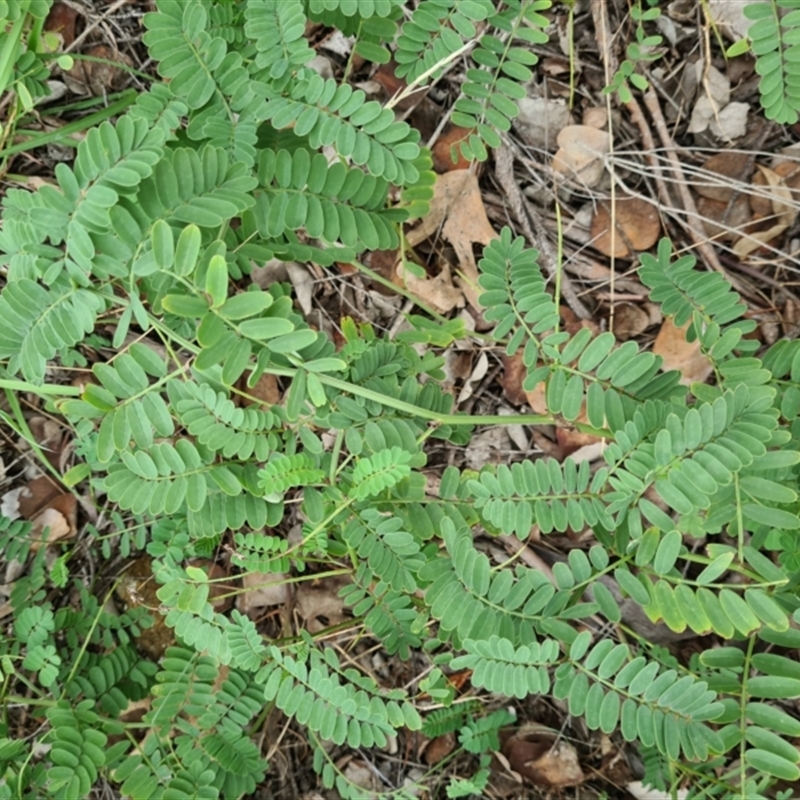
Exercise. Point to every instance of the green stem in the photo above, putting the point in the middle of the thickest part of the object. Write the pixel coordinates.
(436, 416)
(76, 661)
(739, 520)
(559, 262)
(62, 133)
(401, 290)
(409, 408)
(97, 60)
(25, 432)
(35, 34)
(43, 390)
(743, 717)
(337, 449)
(29, 701)
(10, 50)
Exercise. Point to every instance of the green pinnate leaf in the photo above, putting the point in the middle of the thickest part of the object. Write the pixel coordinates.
(187, 250)
(216, 286)
(163, 244)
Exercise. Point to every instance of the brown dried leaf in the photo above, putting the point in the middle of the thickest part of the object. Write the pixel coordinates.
(219, 593)
(359, 774)
(476, 375)
(262, 589)
(540, 119)
(573, 323)
(387, 78)
(514, 371)
(487, 447)
(50, 436)
(303, 285)
(595, 117)
(43, 502)
(782, 208)
(721, 222)
(457, 208)
(95, 77)
(571, 439)
(391, 84)
(438, 749)
(266, 390)
(511, 379)
(437, 292)
(555, 66)
(271, 272)
(59, 517)
(629, 321)
(681, 355)
(61, 20)
(730, 165)
(541, 756)
(442, 150)
(614, 767)
(730, 18)
(637, 224)
(382, 262)
(536, 399)
(36, 495)
(581, 154)
(458, 365)
(761, 203)
(320, 605)
(714, 93)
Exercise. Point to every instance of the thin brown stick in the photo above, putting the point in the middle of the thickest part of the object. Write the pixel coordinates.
(649, 147)
(693, 224)
(529, 219)
(95, 24)
(610, 66)
(601, 28)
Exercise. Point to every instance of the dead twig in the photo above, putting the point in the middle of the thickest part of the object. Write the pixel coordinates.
(649, 147)
(529, 219)
(94, 25)
(693, 224)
